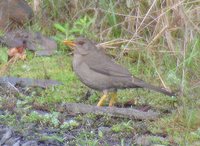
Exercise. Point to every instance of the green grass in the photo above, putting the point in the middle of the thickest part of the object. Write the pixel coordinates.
(123, 127)
(179, 69)
(183, 123)
(4, 56)
(58, 67)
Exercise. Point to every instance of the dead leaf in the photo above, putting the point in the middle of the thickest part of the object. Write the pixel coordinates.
(18, 52)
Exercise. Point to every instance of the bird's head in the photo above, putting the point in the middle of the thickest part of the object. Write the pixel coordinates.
(81, 45)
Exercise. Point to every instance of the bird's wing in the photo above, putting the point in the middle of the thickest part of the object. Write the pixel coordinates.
(101, 63)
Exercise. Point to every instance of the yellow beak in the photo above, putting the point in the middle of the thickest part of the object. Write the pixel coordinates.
(69, 43)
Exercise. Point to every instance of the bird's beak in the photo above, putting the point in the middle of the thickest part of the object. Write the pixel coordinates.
(69, 43)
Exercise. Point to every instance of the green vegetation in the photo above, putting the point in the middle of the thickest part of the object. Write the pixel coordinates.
(158, 42)
(123, 127)
(4, 56)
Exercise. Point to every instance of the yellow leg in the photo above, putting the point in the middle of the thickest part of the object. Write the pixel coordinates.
(101, 101)
(113, 99)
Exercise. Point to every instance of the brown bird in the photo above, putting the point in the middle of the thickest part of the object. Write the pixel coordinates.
(97, 71)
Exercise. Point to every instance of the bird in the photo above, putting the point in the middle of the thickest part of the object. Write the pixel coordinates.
(98, 71)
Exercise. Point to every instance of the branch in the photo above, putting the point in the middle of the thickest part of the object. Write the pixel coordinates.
(78, 108)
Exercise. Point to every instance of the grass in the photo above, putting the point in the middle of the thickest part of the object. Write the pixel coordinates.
(50, 120)
(71, 90)
(123, 127)
(181, 124)
(56, 68)
(164, 56)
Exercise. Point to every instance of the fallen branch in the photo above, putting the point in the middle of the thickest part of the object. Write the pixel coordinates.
(28, 82)
(78, 108)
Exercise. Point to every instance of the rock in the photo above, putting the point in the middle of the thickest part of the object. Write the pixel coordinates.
(2, 130)
(6, 136)
(13, 141)
(148, 140)
(40, 112)
(68, 137)
(104, 129)
(16, 143)
(143, 140)
(41, 45)
(17, 11)
(30, 143)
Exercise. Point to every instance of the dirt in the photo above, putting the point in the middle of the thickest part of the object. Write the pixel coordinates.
(88, 129)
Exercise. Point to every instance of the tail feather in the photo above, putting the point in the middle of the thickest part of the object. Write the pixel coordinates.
(143, 84)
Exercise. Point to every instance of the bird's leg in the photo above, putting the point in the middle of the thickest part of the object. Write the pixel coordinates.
(101, 101)
(113, 99)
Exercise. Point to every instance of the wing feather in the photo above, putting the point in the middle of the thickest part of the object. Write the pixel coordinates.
(105, 65)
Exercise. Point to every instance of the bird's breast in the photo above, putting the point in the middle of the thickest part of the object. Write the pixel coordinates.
(89, 77)
(80, 68)
(77, 61)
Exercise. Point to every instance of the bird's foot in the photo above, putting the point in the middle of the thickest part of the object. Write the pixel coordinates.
(113, 99)
(101, 101)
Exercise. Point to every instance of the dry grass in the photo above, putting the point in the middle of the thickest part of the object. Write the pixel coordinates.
(165, 33)
(162, 35)
(155, 26)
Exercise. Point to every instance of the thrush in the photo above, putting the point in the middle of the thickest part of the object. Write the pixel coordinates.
(99, 72)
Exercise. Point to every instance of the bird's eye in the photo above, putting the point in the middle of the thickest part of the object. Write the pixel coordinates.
(81, 42)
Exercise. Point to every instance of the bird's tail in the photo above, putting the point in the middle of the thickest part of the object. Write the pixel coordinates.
(142, 84)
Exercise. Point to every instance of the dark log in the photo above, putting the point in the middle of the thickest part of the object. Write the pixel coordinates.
(78, 108)
(27, 82)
